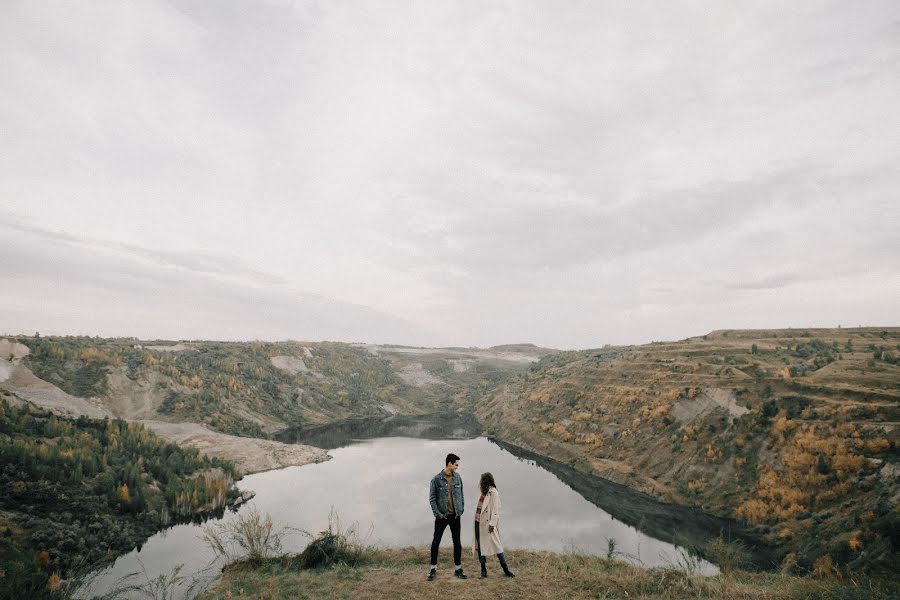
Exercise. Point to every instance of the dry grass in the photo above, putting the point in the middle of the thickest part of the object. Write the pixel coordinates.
(391, 574)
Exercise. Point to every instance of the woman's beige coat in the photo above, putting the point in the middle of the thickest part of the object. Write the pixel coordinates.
(490, 516)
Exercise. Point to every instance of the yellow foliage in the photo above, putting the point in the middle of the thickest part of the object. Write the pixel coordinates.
(782, 427)
(660, 411)
(877, 445)
(824, 566)
(593, 440)
(754, 511)
(98, 355)
(53, 582)
(695, 484)
(855, 543)
(123, 492)
(713, 453)
(582, 416)
(847, 464)
(689, 432)
(557, 430)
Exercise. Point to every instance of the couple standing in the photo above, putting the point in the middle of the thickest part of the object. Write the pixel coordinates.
(448, 504)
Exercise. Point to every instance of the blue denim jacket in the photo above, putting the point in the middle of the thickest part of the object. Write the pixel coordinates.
(437, 495)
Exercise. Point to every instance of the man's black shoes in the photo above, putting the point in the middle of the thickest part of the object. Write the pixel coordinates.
(460, 575)
(431, 574)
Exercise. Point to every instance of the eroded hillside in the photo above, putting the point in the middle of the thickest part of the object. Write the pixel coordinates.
(792, 430)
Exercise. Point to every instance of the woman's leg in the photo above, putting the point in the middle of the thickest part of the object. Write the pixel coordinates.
(481, 559)
(502, 558)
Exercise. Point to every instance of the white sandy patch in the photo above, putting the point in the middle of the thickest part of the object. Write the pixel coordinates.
(173, 348)
(461, 365)
(251, 455)
(415, 374)
(687, 410)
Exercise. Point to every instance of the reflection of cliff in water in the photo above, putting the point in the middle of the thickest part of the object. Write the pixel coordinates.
(449, 426)
(675, 524)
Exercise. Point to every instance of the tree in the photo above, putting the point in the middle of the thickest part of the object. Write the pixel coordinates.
(123, 493)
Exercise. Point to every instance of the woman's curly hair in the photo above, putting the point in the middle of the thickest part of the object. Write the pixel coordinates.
(486, 483)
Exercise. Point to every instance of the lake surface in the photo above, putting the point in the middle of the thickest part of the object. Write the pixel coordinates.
(381, 485)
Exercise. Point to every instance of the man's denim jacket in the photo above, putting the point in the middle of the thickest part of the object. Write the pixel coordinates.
(437, 495)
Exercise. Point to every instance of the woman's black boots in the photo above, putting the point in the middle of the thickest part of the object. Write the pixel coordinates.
(483, 568)
(503, 564)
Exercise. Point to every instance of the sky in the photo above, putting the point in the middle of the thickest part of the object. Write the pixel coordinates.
(448, 173)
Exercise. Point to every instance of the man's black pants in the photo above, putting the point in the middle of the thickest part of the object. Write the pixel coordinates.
(439, 526)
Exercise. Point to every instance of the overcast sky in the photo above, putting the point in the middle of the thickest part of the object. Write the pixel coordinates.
(448, 173)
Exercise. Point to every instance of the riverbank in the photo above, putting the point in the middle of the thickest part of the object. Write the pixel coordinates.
(400, 573)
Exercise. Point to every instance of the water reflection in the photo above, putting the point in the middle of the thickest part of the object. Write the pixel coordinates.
(668, 522)
(449, 426)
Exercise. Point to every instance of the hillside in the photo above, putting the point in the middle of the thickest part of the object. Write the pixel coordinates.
(203, 394)
(794, 431)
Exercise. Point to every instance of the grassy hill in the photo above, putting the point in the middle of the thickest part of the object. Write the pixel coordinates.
(794, 431)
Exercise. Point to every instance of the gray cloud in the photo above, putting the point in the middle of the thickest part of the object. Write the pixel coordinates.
(489, 171)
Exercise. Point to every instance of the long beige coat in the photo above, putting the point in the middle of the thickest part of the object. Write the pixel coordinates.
(490, 516)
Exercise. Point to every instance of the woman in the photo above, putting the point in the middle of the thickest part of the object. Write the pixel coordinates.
(487, 526)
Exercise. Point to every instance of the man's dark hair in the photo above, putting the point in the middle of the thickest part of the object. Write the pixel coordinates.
(451, 458)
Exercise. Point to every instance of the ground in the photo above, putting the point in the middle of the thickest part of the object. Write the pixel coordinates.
(392, 574)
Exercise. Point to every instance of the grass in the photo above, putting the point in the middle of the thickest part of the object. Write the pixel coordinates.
(400, 573)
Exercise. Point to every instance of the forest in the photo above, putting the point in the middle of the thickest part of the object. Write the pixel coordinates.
(75, 493)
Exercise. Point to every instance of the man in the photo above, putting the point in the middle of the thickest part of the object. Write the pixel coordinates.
(447, 504)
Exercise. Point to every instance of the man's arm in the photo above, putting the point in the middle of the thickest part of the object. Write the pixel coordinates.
(462, 497)
(432, 497)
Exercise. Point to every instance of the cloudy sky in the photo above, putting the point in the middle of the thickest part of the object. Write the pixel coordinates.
(437, 173)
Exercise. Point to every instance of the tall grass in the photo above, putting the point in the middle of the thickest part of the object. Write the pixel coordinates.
(728, 556)
(250, 537)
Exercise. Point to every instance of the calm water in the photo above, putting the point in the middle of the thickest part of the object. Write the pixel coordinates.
(382, 485)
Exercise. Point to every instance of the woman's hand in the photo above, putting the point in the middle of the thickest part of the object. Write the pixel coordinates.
(490, 529)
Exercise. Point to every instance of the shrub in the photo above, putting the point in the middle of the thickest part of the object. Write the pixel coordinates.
(334, 546)
(729, 556)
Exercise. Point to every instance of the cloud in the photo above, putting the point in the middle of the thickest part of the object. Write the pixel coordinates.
(493, 171)
(52, 278)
